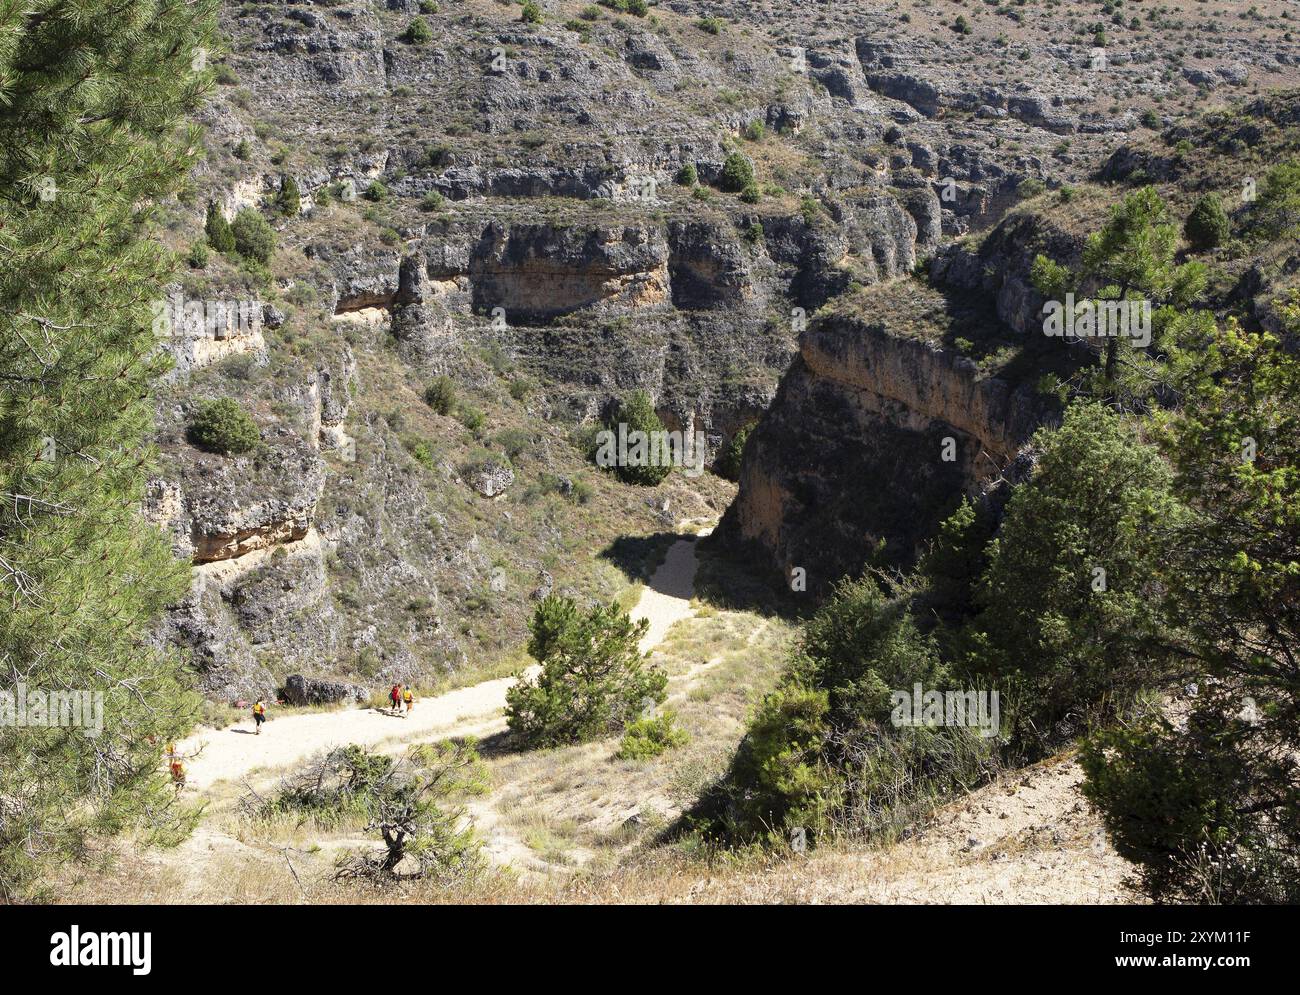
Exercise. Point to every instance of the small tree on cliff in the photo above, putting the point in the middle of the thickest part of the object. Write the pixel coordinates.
(217, 230)
(289, 200)
(1131, 258)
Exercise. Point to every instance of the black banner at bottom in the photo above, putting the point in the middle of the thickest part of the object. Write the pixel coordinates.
(292, 945)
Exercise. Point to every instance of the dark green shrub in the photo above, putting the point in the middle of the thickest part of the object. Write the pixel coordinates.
(1207, 227)
(223, 426)
(637, 413)
(253, 236)
(687, 176)
(732, 455)
(376, 192)
(825, 754)
(1277, 210)
(217, 230)
(1070, 621)
(737, 173)
(289, 200)
(417, 32)
(532, 12)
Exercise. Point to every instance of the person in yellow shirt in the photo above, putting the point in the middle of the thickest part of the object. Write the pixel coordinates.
(408, 698)
(259, 715)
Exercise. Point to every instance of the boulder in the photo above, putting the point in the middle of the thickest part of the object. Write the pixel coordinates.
(492, 478)
(300, 690)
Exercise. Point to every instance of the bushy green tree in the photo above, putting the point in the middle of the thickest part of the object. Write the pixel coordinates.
(441, 395)
(737, 173)
(289, 200)
(824, 753)
(1130, 258)
(253, 236)
(1070, 621)
(1277, 209)
(223, 426)
(417, 32)
(732, 456)
(637, 413)
(91, 143)
(957, 558)
(217, 230)
(1210, 808)
(594, 680)
(1207, 227)
(532, 12)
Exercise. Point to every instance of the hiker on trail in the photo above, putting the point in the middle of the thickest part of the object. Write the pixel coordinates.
(395, 696)
(259, 715)
(408, 698)
(178, 773)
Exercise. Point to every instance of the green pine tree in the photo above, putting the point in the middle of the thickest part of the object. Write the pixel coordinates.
(1220, 791)
(91, 141)
(289, 200)
(638, 413)
(1070, 619)
(217, 229)
(1130, 258)
(594, 680)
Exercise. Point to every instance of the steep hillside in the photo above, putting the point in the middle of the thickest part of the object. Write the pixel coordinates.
(855, 448)
(546, 213)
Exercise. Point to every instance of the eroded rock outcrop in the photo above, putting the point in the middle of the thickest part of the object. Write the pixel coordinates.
(874, 433)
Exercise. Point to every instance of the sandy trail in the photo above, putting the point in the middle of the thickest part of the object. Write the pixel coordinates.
(215, 755)
(233, 753)
(667, 598)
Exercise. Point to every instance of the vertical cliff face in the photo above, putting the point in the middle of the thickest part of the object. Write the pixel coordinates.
(879, 426)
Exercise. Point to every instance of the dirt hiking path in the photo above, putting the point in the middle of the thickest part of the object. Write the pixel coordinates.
(231, 754)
